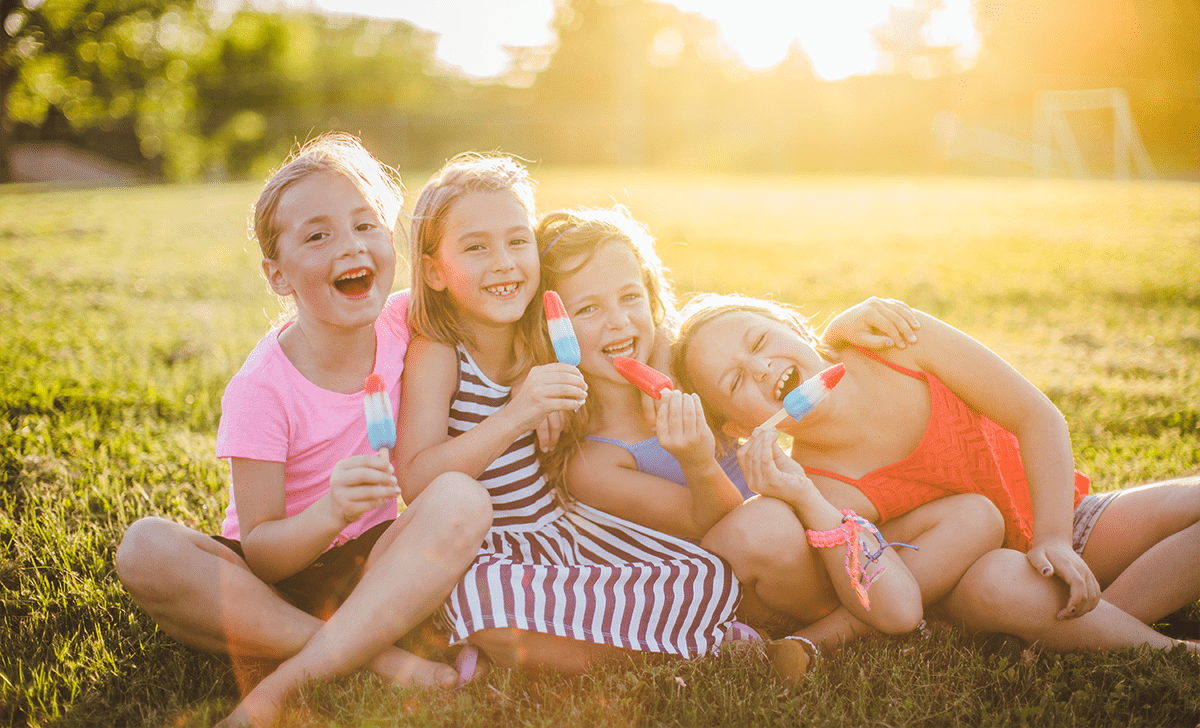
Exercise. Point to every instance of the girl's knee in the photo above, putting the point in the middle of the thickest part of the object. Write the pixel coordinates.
(980, 521)
(764, 531)
(1002, 586)
(462, 502)
(136, 560)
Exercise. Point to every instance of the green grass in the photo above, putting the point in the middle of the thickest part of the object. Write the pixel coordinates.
(124, 313)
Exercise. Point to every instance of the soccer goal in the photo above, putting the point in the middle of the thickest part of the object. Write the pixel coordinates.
(1051, 128)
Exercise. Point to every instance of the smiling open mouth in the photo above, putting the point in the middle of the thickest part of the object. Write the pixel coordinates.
(791, 380)
(504, 289)
(355, 283)
(625, 347)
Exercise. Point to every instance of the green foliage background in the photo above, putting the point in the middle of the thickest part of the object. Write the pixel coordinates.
(123, 313)
(184, 93)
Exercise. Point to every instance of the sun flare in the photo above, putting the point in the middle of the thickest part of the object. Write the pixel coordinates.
(837, 37)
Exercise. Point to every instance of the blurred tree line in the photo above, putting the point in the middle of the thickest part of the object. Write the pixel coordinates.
(186, 93)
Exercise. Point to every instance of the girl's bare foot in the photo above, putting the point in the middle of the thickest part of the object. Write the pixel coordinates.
(410, 671)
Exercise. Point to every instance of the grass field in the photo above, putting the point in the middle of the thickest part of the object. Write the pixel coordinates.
(124, 313)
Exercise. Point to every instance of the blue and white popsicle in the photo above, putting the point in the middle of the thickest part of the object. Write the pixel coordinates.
(377, 405)
(562, 335)
(803, 398)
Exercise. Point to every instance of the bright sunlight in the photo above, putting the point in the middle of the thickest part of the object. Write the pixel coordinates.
(836, 36)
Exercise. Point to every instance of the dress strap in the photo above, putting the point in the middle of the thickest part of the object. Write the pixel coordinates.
(611, 441)
(903, 370)
(829, 474)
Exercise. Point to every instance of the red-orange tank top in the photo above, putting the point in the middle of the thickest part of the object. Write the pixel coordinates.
(961, 452)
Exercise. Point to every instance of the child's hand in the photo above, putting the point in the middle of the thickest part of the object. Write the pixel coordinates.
(1057, 558)
(359, 484)
(682, 429)
(876, 323)
(547, 388)
(768, 470)
(549, 429)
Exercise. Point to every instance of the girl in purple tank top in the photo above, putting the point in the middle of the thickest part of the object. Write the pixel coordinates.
(659, 466)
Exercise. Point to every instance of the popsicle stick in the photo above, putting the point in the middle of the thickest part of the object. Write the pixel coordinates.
(776, 418)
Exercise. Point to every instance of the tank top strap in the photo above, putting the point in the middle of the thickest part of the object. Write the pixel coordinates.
(611, 441)
(903, 370)
(830, 474)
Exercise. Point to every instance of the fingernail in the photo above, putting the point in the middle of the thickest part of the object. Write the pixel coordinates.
(890, 342)
(1046, 571)
(912, 338)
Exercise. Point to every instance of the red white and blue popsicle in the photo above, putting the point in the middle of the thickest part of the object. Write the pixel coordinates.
(803, 398)
(644, 377)
(377, 405)
(562, 335)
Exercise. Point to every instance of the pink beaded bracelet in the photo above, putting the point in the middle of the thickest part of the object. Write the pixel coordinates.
(848, 533)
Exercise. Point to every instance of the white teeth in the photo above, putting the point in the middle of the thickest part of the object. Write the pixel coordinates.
(778, 392)
(620, 348)
(353, 274)
(503, 290)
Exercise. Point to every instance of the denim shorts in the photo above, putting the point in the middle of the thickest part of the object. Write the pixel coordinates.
(1086, 514)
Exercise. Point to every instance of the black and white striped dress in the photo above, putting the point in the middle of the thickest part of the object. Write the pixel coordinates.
(578, 572)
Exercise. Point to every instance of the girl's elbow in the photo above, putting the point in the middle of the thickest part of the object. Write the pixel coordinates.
(902, 616)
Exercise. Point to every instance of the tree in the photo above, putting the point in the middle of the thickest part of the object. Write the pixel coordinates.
(101, 63)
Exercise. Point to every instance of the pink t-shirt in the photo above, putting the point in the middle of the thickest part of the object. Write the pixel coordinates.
(271, 412)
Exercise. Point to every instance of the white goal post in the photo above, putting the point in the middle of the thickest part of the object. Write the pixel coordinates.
(1050, 125)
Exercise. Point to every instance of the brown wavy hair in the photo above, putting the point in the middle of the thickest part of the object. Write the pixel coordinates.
(431, 313)
(569, 239)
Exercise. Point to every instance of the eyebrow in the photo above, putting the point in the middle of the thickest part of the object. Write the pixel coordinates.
(486, 234)
(325, 218)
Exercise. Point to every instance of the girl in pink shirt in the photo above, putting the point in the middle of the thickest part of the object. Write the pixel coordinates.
(312, 531)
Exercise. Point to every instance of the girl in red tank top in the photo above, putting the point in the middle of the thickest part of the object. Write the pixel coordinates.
(947, 415)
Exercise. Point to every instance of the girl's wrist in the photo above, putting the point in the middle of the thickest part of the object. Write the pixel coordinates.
(813, 510)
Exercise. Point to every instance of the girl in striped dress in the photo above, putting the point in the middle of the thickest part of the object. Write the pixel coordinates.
(554, 584)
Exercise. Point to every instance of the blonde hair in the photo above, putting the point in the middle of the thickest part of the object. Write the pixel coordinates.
(708, 306)
(335, 152)
(569, 239)
(431, 313)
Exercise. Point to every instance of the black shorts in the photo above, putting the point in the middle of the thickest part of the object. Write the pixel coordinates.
(322, 586)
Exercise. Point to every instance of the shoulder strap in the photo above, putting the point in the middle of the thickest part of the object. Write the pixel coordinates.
(903, 370)
(835, 476)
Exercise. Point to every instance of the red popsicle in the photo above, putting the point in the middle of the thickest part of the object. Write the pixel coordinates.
(646, 378)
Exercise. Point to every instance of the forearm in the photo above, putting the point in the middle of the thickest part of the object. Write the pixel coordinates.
(1050, 471)
(895, 596)
(277, 549)
(713, 494)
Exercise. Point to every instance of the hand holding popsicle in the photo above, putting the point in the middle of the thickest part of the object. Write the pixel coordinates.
(377, 405)
(562, 334)
(811, 391)
(644, 377)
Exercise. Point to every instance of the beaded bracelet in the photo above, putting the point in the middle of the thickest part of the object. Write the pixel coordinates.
(848, 533)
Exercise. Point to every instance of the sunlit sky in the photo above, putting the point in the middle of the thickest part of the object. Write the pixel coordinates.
(834, 34)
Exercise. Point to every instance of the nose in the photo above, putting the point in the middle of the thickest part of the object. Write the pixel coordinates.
(502, 259)
(759, 366)
(616, 318)
(355, 242)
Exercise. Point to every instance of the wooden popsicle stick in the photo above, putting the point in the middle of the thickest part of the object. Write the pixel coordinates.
(776, 418)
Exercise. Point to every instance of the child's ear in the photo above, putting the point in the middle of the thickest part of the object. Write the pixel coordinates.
(734, 430)
(431, 271)
(275, 278)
